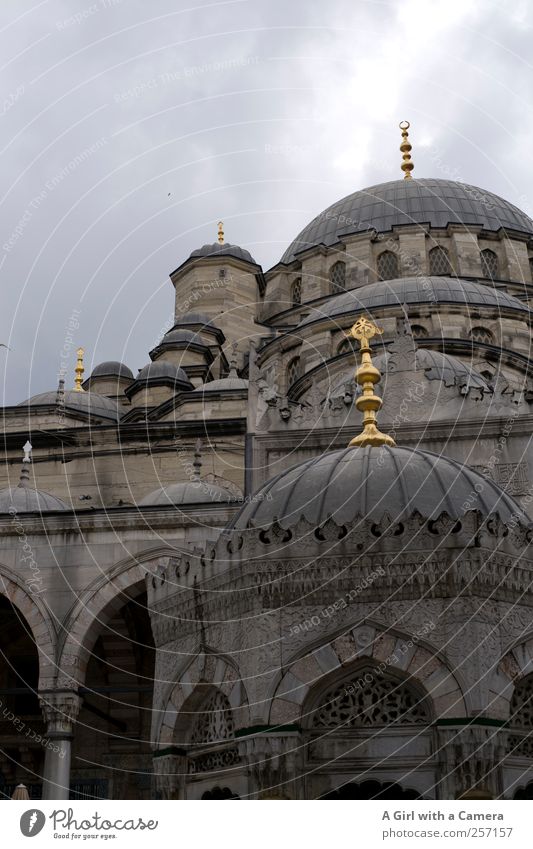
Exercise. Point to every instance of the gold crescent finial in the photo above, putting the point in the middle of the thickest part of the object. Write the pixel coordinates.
(366, 376)
(220, 232)
(406, 148)
(79, 370)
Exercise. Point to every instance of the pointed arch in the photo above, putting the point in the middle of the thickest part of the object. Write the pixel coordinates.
(400, 653)
(36, 614)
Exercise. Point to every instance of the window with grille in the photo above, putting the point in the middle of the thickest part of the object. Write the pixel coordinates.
(296, 292)
(337, 276)
(294, 371)
(419, 332)
(521, 711)
(214, 722)
(369, 700)
(439, 261)
(489, 264)
(481, 334)
(387, 266)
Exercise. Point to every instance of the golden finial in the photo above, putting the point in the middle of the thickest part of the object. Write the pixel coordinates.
(220, 232)
(79, 370)
(366, 376)
(406, 148)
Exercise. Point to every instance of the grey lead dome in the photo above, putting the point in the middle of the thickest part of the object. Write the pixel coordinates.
(372, 482)
(223, 250)
(400, 202)
(414, 290)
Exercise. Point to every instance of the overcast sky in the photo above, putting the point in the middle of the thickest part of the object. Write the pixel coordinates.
(128, 128)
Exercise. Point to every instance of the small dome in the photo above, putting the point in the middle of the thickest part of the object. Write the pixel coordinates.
(162, 369)
(371, 482)
(24, 499)
(112, 368)
(86, 402)
(223, 250)
(187, 492)
(400, 202)
(414, 290)
(182, 337)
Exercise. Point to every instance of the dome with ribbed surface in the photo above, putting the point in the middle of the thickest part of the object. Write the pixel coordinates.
(24, 499)
(90, 403)
(187, 492)
(181, 337)
(162, 369)
(223, 250)
(371, 482)
(403, 202)
(414, 290)
(112, 368)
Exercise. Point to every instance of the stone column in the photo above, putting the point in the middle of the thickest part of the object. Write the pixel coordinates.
(471, 759)
(60, 709)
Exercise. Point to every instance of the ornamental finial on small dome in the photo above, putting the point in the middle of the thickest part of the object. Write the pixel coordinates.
(26, 460)
(406, 148)
(220, 232)
(366, 376)
(79, 371)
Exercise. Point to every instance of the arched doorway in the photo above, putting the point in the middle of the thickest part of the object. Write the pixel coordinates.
(111, 755)
(365, 720)
(22, 732)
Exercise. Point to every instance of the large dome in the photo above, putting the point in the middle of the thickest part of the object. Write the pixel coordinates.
(372, 482)
(400, 202)
(414, 290)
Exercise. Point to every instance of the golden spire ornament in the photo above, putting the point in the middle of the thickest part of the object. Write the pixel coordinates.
(79, 371)
(406, 148)
(367, 375)
(220, 232)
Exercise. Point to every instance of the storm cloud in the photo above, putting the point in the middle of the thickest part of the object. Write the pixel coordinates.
(129, 129)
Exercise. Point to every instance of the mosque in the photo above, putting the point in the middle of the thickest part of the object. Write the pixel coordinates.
(290, 556)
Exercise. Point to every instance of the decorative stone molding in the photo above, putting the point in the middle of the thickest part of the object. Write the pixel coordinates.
(169, 776)
(471, 760)
(387, 651)
(206, 673)
(60, 709)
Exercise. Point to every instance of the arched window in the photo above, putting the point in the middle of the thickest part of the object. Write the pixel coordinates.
(294, 371)
(337, 276)
(214, 720)
(387, 266)
(368, 700)
(296, 292)
(489, 264)
(419, 332)
(481, 334)
(439, 261)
